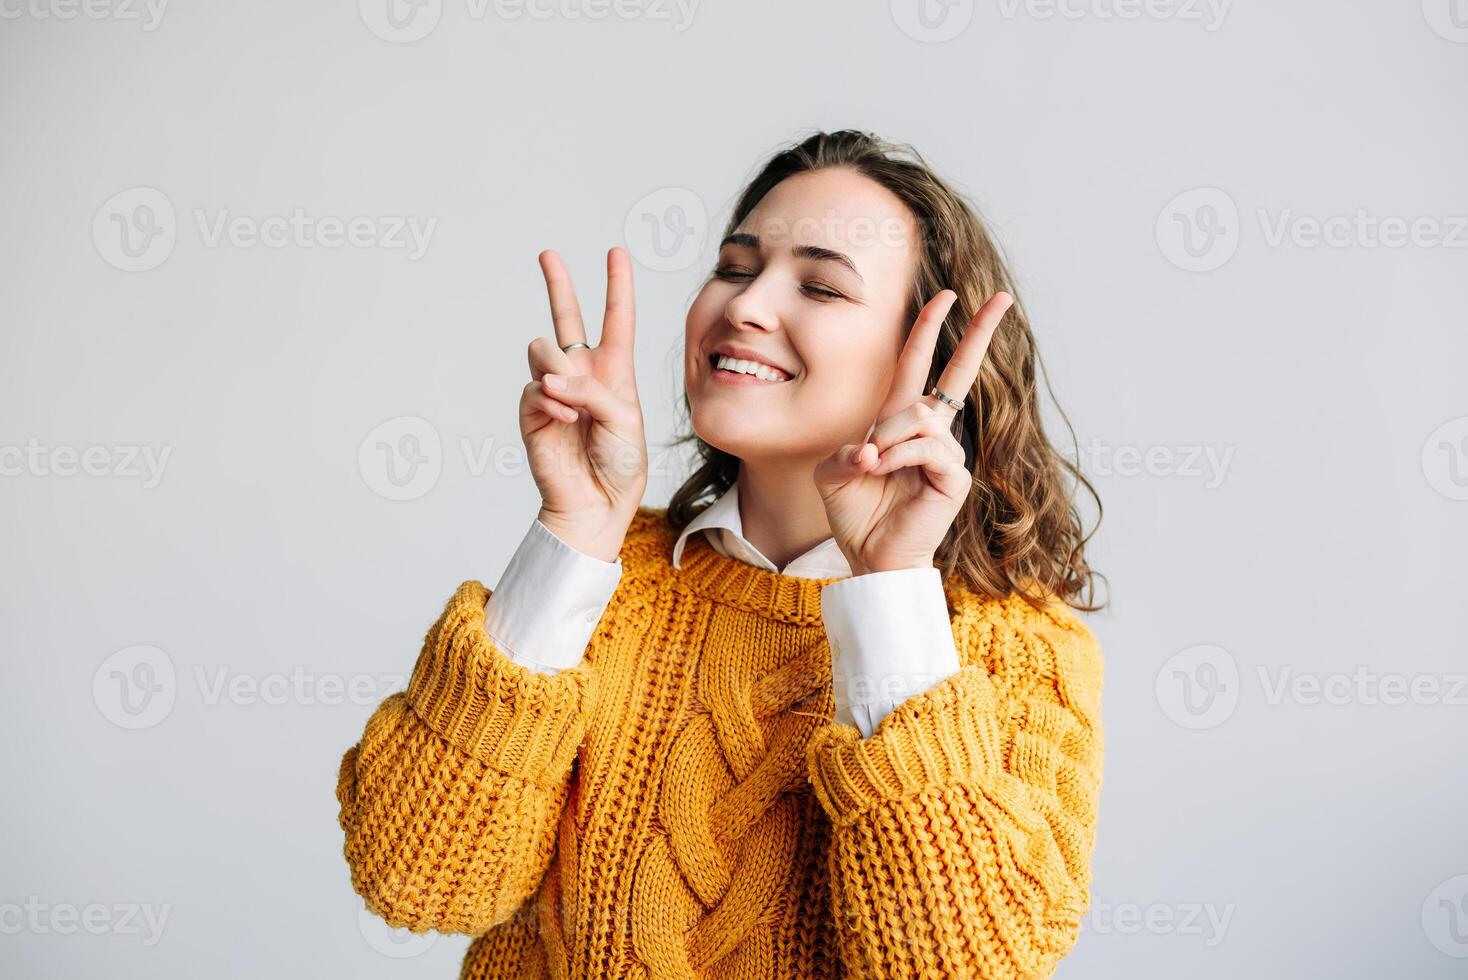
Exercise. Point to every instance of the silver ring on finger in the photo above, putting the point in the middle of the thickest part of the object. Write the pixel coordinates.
(946, 398)
(576, 344)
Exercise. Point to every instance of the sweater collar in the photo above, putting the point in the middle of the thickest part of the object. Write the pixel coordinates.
(731, 582)
(740, 585)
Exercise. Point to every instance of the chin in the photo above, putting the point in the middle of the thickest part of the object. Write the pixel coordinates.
(731, 431)
(750, 438)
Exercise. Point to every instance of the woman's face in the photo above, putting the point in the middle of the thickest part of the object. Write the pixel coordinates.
(782, 294)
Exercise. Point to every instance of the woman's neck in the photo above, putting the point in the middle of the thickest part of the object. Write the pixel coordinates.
(781, 511)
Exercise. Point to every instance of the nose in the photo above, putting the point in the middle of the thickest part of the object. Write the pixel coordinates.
(752, 308)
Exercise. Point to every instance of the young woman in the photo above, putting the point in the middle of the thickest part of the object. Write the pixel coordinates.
(828, 713)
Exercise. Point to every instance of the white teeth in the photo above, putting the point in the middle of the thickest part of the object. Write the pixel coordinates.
(761, 371)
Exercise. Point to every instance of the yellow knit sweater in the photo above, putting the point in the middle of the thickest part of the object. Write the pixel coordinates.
(681, 803)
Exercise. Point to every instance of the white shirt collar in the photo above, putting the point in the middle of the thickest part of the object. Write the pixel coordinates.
(725, 532)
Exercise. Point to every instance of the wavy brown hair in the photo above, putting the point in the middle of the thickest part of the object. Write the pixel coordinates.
(1019, 532)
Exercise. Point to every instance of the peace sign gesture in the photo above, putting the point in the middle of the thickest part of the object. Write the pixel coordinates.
(580, 415)
(890, 505)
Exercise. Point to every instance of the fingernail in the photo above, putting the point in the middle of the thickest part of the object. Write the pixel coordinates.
(554, 381)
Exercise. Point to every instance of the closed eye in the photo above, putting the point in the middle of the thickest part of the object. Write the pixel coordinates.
(734, 274)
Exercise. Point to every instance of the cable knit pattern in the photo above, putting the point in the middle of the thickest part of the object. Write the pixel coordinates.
(681, 803)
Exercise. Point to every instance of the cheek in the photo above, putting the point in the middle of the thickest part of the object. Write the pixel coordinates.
(702, 316)
(849, 380)
(851, 359)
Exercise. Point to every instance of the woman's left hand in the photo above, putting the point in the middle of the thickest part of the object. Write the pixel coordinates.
(891, 499)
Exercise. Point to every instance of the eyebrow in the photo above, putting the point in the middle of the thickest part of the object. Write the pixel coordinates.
(801, 251)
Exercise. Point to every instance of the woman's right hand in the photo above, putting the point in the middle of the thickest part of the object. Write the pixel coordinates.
(585, 441)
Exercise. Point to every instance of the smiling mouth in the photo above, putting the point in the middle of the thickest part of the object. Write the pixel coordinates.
(745, 371)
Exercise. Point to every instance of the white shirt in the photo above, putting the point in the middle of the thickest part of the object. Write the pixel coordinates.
(889, 632)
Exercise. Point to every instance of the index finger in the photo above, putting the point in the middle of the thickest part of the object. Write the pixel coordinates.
(963, 367)
(917, 353)
(565, 311)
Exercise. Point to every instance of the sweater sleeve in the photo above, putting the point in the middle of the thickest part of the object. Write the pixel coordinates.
(963, 828)
(450, 800)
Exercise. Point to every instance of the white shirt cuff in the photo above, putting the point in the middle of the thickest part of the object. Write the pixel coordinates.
(549, 601)
(891, 638)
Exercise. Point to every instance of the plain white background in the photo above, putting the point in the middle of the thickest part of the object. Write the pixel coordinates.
(241, 478)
